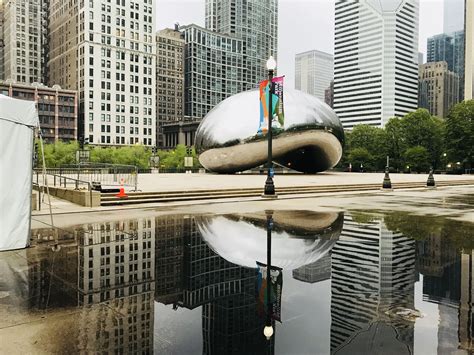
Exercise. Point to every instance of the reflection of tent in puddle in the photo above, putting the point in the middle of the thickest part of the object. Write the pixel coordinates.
(242, 239)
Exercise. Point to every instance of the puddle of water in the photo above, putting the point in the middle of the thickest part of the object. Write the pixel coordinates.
(344, 283)
(465, 199)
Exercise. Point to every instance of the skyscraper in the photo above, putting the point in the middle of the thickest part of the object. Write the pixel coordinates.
(469, 57)
(214, 69)
(314, 71)
(23, 40)
(375, 60)
(169, 79)
(106, 51)
(329, 95)
(255, 22)
(226, 57)
(453, 16)
(448, 48)
(439, 88)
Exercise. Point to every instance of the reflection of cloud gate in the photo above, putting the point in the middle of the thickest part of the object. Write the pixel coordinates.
(311, 140)
(242, 239)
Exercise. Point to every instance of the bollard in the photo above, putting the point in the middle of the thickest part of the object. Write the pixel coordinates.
(387, 183)
(431, 181)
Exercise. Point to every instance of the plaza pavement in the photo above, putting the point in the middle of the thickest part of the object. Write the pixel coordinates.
(455, 202)
(188, 182)
(54, 329)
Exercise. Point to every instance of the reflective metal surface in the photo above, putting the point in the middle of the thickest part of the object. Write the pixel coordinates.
(311, 141)
(300, 238)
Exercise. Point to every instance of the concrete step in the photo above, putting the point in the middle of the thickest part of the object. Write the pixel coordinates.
(177, 196)
(240, 190)
(218, 193)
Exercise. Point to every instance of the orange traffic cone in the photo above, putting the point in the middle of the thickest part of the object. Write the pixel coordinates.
(122, 193)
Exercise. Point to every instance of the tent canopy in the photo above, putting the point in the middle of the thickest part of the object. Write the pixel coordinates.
(18, 118)
(18, 111)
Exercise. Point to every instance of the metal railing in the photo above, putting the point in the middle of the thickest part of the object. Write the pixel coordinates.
(105, 174)
(48, 179)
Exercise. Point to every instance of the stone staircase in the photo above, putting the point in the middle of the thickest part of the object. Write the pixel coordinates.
(134, 198)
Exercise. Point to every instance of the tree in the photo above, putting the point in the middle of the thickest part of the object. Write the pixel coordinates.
(102, 155)
(57, 154)
(373, 140)
(396, 144)
(137, 155)
(421, 129)
(459, 135)
(457, 234)
(360, 159)
(418, 158)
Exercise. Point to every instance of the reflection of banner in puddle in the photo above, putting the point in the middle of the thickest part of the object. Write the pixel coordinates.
(275, 290)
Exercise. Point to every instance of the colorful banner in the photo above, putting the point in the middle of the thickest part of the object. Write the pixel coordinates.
(276, 286)
(263, 90)
(278, 116)
(278, 109)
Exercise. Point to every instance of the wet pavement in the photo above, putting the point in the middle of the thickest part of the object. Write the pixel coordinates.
(344, 281)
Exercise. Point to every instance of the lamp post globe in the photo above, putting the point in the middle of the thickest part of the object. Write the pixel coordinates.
(268, 331)
(271, 63)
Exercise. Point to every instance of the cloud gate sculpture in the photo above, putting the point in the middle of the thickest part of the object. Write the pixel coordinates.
(311, 140)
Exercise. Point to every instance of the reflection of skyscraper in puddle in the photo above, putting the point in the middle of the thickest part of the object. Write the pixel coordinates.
(440, 263)
(373, 274)
(116, 265)
(52, 275)
(169, 241)
(207, 276)
(107, 270)
(225, 291)
(231, 325)
(466, 316)
(315, 272)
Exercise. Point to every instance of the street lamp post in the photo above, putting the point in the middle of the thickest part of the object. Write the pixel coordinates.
(387, 183)
(269, 190)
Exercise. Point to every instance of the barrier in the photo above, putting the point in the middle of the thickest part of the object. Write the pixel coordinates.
(87, 198)
(108, 175)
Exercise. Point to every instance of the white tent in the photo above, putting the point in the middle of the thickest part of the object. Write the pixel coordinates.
(18, 119)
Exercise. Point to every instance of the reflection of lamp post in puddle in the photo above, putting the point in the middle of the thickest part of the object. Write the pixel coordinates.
(268, 330)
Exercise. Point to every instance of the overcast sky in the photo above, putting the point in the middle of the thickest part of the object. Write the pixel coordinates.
(303, 25)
